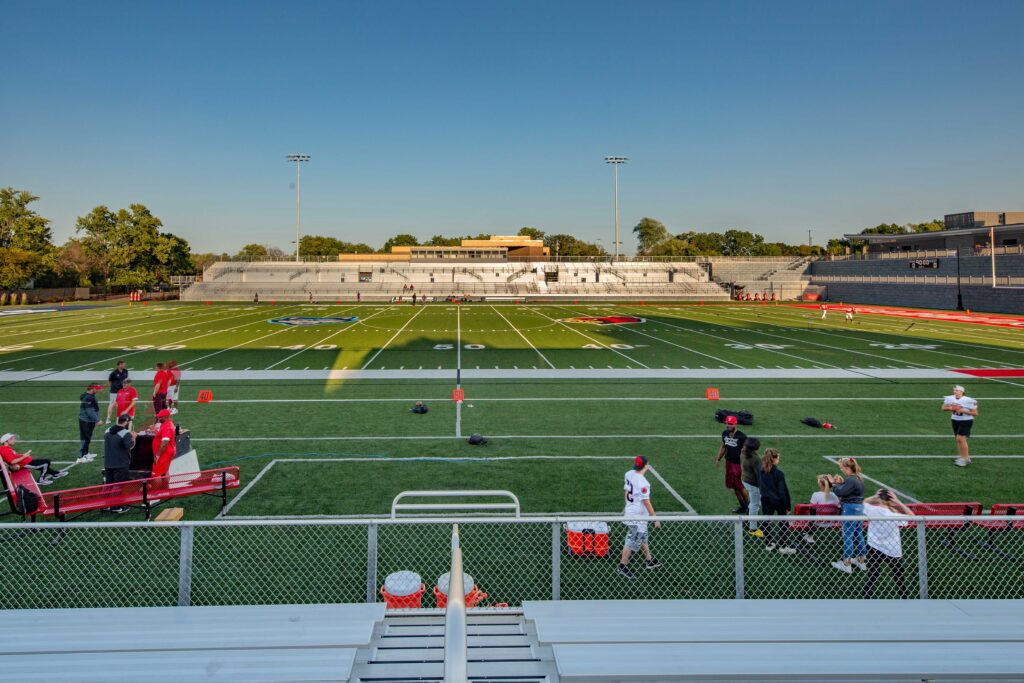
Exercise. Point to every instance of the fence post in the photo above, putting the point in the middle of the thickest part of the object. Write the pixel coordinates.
(185, 566)
(371, 562)
(737, 537)
(922, 562)
(556, 562)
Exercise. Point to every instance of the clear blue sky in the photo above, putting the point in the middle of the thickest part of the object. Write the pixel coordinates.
(464, 117)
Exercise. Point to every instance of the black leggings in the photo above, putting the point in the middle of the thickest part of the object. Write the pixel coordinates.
(773, 529)
(42, 466)
(875, 558)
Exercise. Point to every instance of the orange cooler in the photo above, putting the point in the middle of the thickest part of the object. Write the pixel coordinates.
(587, 538)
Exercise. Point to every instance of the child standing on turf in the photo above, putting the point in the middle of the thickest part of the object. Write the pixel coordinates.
(850, 492)
(774, 501)
(823, 496)
(750, 462)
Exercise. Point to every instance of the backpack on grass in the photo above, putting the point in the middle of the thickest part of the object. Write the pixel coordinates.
(743, 417)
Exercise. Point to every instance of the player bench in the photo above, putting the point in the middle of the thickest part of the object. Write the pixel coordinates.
(996, 527)
(800, 527)
(951, 527)
(143, 494)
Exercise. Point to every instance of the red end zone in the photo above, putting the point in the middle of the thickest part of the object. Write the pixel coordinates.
(941, 316)
(993, 372)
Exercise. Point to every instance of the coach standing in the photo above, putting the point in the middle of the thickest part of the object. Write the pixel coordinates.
(964, 409)
(116, 380)
(88, 417)
(732, 444)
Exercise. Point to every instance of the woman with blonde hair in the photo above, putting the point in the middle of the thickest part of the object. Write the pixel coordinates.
(850, 491)
(771, 482)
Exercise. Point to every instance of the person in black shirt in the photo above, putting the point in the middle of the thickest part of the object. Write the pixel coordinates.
(732, 443)
(116, 380)
(775, 500)
(117, 454)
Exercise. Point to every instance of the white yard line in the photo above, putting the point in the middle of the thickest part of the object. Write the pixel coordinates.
(672, 492)
(901, 494)
(81, 321)
(237, 497)
(604, 346)
(108, 341)
(232, 348)
(717, 435)
(602, 399)
(507, 322)
(936, 457)
(735, 341)
(330, 336)
(664, 341)
(393, 337)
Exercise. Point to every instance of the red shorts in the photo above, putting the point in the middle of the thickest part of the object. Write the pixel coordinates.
(733, 476)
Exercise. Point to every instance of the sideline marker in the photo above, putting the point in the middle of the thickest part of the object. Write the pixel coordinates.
(205, 396)
(712, 394)
(458, 395)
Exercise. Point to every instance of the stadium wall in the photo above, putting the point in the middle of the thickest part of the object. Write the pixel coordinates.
(982, 299)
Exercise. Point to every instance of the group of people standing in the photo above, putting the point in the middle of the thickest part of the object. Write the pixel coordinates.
(760, 487)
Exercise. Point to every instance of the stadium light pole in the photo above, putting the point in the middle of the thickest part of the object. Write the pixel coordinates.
(615, 161)
(298, 159)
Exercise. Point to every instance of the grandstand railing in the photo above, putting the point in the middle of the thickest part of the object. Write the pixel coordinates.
(308, 561)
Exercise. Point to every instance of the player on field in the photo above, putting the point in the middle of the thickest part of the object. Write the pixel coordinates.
(964, 409)
(161, 382)
(116, 380)
(824, 311)
(732, 445)
(638, 504)
(172, 386)
(849, 314)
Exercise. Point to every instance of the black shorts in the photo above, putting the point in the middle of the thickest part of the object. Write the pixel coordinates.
(962, 427)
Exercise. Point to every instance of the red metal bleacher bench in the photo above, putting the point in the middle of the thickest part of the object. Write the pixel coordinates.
(995, 527)
(144, 494)
(951, 527)
(799, 527)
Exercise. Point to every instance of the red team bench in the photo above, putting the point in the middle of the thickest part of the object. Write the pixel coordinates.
(144, 494)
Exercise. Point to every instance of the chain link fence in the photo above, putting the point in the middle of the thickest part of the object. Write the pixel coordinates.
(510, 560)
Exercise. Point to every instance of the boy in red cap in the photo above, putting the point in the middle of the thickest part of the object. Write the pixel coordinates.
(732, 445)
(638, 504)
(164, 448)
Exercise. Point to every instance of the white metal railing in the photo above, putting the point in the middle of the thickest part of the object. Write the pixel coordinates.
(455, 658)
(314, 561)
(512, 505)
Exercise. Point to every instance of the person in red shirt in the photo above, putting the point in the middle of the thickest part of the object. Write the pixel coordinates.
(164, 448)
(172, 387)
(161, 381)
(126, 400)
(47, 473)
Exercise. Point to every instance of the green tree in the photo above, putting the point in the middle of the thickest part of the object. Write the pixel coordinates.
(401, 240)
(931, 226)
(442, 241)
(20, 226)
(741, 243)
(704, 243)
(674, 246)
(129, 248)
(649, 233)
(253, 252)
(318, 245)
(532, 233)
(885, 229)
(18, 267)
(567, 245)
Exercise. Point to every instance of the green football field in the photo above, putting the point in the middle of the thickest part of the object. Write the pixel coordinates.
(316, 414)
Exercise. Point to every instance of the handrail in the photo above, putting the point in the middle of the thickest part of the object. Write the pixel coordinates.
(513, 505)
(455, 651)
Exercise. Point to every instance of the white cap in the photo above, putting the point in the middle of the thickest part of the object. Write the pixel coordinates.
(958, 388)
(7, 437)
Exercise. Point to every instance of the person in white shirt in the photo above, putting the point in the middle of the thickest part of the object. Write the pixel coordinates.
(964, 409)
(884, 543)
(638, 504)
(823, 496)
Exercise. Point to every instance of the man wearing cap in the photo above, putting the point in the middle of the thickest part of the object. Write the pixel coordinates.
(964, 409)
(127, 397)
(16, 461)
(638, 504)
(732, 445)
(116, 380)
(164, 447)
(88, 417)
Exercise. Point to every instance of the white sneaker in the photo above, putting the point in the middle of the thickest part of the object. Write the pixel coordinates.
(843, 567)
(82, 459)
(860, 565)
(174, 411)
(961, 463)
(787, 551)
(808, 538)
(57, 475)
(44, 481)
(770, 547)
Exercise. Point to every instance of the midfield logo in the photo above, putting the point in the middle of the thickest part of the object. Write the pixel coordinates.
(302, 321)
(605, 320)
